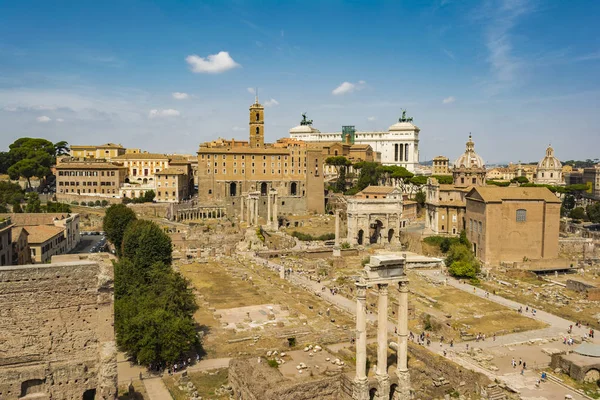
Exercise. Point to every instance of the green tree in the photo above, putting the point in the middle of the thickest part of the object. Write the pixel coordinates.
(420, 198)
(52, 207)
(340, 163)
(5, 162)
(577, 213)
(460, 252)
(31, 157)
(34, 205)
(146, 243)
(115, 222)
(593, 213)
(444, 179)
(462, 239)
(61, 148)
(463, 269)
(569, 202)
(10, 193)
(16, 207)
(520, 179)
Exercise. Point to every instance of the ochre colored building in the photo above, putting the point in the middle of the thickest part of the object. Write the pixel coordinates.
(89, 177)
(512, 224)
(228, 170)
(6, 254)
(172, 185)
(105, 151)
(440, 166)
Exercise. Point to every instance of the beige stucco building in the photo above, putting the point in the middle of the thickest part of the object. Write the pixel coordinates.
(91, 178)
(20, 246)
(229, 169)
(172, 185)
(6, 252)
(106, 151)
(440, 166)
(513, 224)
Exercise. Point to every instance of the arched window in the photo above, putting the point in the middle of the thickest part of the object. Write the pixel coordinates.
(257, 130)
(521, 215)
(257, 116)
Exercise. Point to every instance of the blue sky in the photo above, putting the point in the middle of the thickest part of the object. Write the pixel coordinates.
(167, 75)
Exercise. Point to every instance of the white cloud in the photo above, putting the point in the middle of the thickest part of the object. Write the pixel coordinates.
(449, 100)
(271, 103)
(43, 118)
(180, 96)
(169, 112)
(348, 87)
(251, 90)
(213, 64)
(238, 129)
(371, 118)
(60, 120)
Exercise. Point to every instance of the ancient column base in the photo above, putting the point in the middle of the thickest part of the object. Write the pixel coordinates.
(337, 252)
(383, 387)
(403, 389)
(360, 389)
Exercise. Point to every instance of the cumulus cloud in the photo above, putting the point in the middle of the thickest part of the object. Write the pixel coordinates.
(213, 64)
(251, 90)
(371, 118)
(238, 129)
(348, 87)
(449, 100)
(43, 118)
(271, 103)
(180, 96)
(169, 112)
(60, 120)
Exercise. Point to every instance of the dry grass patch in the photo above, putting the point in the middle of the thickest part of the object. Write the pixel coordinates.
(140, 391)
(206, 384)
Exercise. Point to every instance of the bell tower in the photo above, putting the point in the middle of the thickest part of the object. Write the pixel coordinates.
(257, 125)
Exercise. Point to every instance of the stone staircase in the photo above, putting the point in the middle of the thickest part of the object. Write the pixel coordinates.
(494, 392)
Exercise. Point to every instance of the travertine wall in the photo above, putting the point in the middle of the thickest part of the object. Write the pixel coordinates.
(57, 336)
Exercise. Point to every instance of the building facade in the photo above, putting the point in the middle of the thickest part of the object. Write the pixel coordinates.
(106, 151)
(440, 166)
(591, 177)
(513, 224)
(549, 170)
(46, 241)
(399, 145)
(93, 178)
(6, 252)
(172, 185)
(445, 205)
(20, 246)
(228, 170)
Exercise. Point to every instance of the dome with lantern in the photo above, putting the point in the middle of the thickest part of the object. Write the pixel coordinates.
(469, 159)
(549, 169)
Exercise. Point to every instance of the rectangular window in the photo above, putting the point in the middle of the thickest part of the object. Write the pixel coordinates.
(521, 215)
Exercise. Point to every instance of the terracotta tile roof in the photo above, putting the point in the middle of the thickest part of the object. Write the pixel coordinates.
(42, 233)
(377, 190)
(141, 156)
(449, 188)
(88, 165)
(102, 146)
(171, 171)
(28, 219)
(452, 203)
(16, 232)
(498, 194)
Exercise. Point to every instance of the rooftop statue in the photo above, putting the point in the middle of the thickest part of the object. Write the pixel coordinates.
(404, 118)
(305, 121)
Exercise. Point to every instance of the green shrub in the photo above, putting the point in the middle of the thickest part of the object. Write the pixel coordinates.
(345, 245)
(305, 237)
(75, 203)
(260, 235)
(272, 363)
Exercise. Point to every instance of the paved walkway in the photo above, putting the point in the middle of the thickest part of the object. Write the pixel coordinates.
(156, 389)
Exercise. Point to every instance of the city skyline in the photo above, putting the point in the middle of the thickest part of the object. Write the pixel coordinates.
(167, 77)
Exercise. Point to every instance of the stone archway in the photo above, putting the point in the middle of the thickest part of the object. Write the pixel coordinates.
(361, 235)
(145, 181)
(390, 235)
(233, 189)
(293, 188)
(263, 189)
(375, 231)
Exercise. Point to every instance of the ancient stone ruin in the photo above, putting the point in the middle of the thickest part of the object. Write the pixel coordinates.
(57, 338)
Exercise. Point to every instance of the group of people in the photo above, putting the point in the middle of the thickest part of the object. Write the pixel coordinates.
(533, 310)
(522, 365)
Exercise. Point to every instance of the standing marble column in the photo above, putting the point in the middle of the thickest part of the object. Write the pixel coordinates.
(256, 214)
(336, 248)
(269, 198)
(361, 387)
(275, 206)
(250, 212)
(383, 378)
(242, 208)
(403, 390)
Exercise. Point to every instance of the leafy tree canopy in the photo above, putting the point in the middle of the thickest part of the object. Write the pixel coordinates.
(593, 213)
(34, 204)
(10, 193)
(115, 222)
(338, 161)
(145, 243)
(577, 213)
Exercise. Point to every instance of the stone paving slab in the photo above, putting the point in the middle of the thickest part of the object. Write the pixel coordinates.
(156, 389)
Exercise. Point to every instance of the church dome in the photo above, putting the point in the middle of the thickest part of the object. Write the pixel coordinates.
(550, 162)
(469, 159)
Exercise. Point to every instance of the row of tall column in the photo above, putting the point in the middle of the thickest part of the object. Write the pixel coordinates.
(249, 209)
(252, 209)
(272, 219)
(200, 214)
(361, 385)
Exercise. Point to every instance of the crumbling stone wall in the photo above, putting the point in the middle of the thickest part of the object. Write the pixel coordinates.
(57, 337)
(251, 380)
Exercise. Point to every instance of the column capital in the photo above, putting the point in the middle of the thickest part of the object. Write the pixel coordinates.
(403, 287)
(361, 290)
(383, 288)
